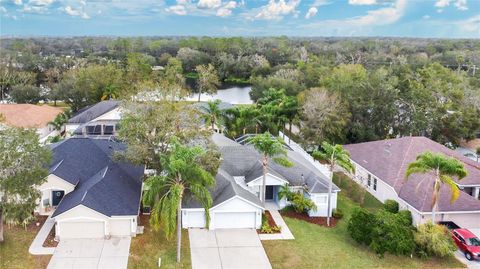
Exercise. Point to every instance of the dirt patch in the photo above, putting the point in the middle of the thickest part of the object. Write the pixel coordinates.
(322, 221)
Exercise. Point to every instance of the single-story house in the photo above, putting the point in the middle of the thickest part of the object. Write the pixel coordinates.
(31, 117)
(236, 202)
(88, 193)
(100, 119)
(381, 166)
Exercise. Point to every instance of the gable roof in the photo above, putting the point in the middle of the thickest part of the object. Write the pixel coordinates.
(92, 112)
(102, 184)
(29, 116)
(388, 160)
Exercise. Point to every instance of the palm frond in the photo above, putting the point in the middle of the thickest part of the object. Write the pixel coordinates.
(453, 187)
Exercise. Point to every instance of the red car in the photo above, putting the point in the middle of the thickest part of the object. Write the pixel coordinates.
(467, 242)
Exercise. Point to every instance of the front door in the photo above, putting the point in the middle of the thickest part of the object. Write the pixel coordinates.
(57, 197)
(269, 193)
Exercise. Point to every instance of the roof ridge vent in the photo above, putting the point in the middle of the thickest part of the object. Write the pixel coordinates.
(85, 194)
(57, 165)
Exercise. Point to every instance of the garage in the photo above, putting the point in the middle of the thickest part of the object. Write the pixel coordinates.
(228, 220)
(81, 229)
(194, 219)
(120, 227)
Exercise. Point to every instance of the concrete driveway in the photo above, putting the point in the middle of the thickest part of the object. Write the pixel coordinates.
(227, 249)
(91, 254)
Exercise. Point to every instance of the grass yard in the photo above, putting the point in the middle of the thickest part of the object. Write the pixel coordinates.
(14, 251)
(319, 247)
(146, 248)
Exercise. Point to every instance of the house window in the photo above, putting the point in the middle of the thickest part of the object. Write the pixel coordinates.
(369, 181)
(108, 130)
(94, 130)
(374, 184)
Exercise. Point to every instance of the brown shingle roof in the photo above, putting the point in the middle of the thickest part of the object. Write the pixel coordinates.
(28, 116)
(388, 160)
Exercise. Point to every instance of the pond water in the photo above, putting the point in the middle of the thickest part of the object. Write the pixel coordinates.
(237, 95)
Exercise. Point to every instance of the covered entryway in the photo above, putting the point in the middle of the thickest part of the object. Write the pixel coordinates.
(81, 229)
(227, 220)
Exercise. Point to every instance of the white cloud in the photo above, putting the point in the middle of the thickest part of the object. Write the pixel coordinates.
(461, 5)
(382, 16)
(40, 2)
(75, 12)
(34, 9)
(18, 2)
(177, 9)
(276, 10)
(209, 4)
(3, 10)
(362, 2)
(426, 17)
(230, 5)
(470, 25)
(226, 9)
(311, 12)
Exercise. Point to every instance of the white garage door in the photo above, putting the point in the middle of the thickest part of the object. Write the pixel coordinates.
(195, 219)
(81, 229)
(120, 227)
(227, 220)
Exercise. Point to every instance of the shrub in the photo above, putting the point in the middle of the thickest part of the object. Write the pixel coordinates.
(391, 234)
(301, 204)
(266, 229)
(337, 213)
(434, 240)
(391, 206)
(405, 216)
(360, 225)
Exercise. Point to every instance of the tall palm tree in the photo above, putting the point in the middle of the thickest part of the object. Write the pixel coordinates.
(334, 155)
(208, 80)
(212, 114)
(182, 171)
(60, 120)
(269, 147)
(444, 169)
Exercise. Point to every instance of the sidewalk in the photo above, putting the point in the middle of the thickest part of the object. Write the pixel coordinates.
(36, 248)
(285, 233)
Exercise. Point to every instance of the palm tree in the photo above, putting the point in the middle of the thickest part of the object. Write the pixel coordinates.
(60, 120)
(334, 155)
(269, 147)
(208, 80)
(110, 92)
(182, 171)
(212, 114)
(443, 168)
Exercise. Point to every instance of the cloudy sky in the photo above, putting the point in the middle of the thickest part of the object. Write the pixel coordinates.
(410, 18)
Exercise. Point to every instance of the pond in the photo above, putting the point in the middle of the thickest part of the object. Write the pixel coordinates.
(237, 95)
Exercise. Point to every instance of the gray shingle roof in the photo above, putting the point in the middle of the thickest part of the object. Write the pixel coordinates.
(89, 113)
(102, 184)
(388, 160)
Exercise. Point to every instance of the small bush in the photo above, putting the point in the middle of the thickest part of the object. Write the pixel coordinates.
(337, 213)
(301, 204)
(434, 240)
(391, 234)
(276, 229)
(360, 225)
(391, 206)
(406, 216)
(266, 229)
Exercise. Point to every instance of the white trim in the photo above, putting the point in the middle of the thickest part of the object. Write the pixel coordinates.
(241, 198)
(268, 174)
(93, 210)
(52, 174)
(460, 185)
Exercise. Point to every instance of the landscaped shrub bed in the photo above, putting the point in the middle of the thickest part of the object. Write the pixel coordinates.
(322, 221)
(268, 225)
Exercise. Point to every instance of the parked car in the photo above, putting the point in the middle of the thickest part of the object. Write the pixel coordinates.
(467, 242)
(450, 225)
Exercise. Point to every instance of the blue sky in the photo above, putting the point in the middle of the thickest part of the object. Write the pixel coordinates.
(404, 18)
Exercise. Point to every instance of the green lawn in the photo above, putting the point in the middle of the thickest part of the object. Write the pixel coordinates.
(14, 251)
(319, 247)
(149, 246)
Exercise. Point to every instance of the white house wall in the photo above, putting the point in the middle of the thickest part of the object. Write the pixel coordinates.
(270, 180)
(53, 182)
(320, 200)
(113, 226)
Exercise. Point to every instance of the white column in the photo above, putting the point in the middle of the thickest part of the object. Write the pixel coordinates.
(476, 192)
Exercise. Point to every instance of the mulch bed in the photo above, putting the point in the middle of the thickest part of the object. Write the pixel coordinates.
(271, 222)
(322, 221)
(50, 240)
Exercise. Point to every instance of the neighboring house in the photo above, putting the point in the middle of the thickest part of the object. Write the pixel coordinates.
(236, 202)
(380, 168)
(87, 193)
(31, 117)
(100, 119)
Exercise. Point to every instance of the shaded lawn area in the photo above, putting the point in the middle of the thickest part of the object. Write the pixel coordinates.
(146, 248)
(14, 251)
(320, 247)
